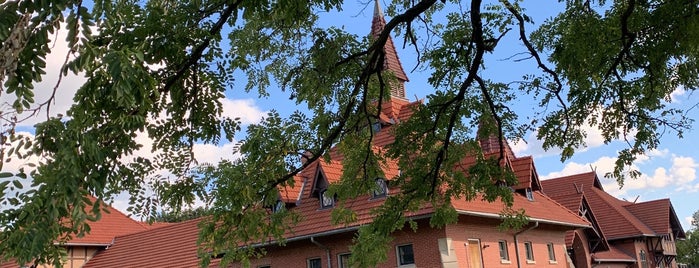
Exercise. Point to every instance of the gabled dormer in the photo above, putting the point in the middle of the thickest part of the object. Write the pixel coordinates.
(527, 177)
(325, 174)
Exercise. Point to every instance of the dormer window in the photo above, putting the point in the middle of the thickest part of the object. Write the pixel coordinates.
(376, 127)
(381, 189)
(278, 206)
(326, 201)
(530, 195)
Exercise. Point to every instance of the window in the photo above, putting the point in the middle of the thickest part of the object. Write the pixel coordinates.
(504, 255)
(475, 256)
(343, 260)
(552, 252)
(314, 263)
(326, 201)
(529, 251)
(405, 254)
(278, 206)
(381, 188)
(376, 127)
(530, 194)
(644, 261)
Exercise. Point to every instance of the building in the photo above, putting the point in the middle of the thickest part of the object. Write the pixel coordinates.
(638, 234)
(474, 241)
(80, 250)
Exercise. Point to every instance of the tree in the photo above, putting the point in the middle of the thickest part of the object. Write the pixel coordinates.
(160, 67)
(688, 249)
(183, 215)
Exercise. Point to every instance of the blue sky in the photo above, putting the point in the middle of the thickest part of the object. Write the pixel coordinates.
(669, 172)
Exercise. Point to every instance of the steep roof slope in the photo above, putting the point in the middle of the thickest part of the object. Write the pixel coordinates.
(112, 223)
(617, 218)
(659, 215)
(168, 246)
(391, 60)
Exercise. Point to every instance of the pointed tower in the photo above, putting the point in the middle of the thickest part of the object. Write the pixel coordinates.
(391, 60)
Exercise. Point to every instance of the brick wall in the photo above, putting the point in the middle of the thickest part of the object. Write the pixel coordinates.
(581, 248)
(485, 231)
(426, 246)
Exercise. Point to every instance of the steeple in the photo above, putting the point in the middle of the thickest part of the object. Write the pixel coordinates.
(391, 60)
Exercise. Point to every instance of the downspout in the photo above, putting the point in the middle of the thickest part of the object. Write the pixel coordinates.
(327, 250)
(536, 224)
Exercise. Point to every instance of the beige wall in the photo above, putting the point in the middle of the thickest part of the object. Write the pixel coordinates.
(77, 256)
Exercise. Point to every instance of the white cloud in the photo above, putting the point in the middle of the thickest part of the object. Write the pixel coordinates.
(13, 164)
(677, 93)
(683, 169)
(245, 109)
(681, 174)
(534, 146)
(44, 89)
(652, 154)
(212, 154)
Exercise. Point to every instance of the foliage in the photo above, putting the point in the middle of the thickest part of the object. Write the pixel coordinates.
(183, 215)
(688, 249)
(160, 68)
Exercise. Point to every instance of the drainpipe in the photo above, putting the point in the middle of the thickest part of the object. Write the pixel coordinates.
(327, 250)
(536, 224)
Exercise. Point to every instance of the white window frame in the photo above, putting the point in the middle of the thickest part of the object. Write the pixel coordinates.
(529, 193)
(502, 248)
(529, 252)
(552, 252)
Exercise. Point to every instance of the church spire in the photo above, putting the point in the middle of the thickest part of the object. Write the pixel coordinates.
(391, 60)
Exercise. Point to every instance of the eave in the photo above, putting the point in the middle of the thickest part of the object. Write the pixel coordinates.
(497, 216)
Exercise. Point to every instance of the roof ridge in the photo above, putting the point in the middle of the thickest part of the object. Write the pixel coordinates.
(161, 229)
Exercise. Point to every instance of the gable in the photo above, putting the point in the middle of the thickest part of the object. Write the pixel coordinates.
(111, 224)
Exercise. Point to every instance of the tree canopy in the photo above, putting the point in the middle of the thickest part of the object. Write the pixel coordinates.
(160, 68)
(688, 249)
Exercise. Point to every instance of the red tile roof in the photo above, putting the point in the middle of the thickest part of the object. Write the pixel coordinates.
(614, 254)
(659, 215)
(617, 218)
(112, 223)
(391, 60)
(571, 201)
(174, 246)
(169, 246)
(541, 208)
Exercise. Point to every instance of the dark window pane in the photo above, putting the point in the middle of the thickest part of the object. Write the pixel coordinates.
(405, 255)
(314, 263)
